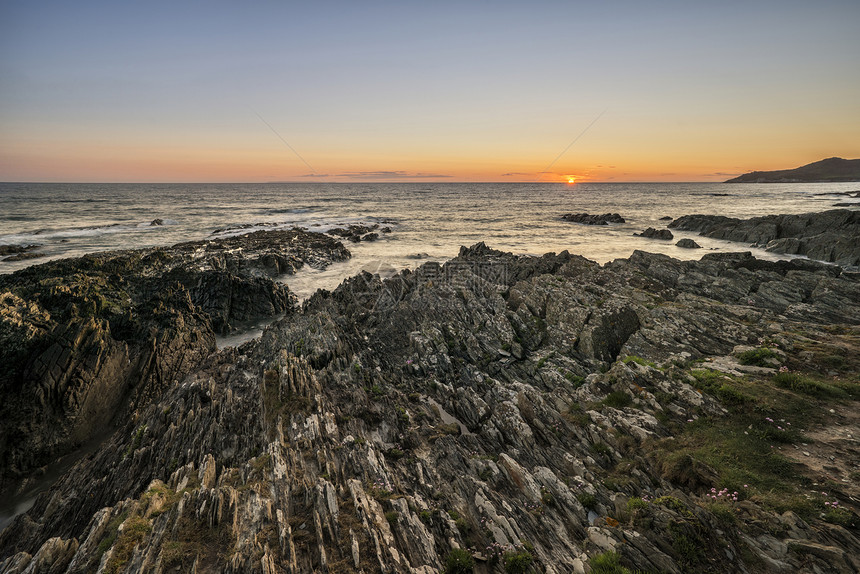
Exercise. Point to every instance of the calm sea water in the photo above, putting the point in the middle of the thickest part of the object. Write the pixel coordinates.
(430, 221)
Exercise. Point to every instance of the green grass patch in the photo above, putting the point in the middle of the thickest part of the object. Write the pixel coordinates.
(617, 400)
(608, 563)
(639, 361)
(574, 379)
(586, 499)
(459, 561)
(722, 512)
(840, 516)
(518, 561)
(744, 446)
(133, 531)
(808, 386)
(759, 357)
(720, 386)
(577, 416)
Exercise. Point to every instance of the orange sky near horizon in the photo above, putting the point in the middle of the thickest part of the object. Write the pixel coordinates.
(402, 92)
(603, 162)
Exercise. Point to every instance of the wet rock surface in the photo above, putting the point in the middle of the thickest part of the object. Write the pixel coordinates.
(358, 232)
(84, 341)
(528, 410)
(832, 236)
(652, 233)
(589, 219)
(688, 243)
(19, 252)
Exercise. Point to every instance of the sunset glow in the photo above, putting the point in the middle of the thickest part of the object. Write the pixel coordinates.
(360, 96)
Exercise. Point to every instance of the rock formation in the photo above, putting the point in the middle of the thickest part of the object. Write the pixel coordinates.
(832, 236)
(84, 341)
(358, 232)
(652, 233)
(688, 243)
(589, 219)
(497, 412)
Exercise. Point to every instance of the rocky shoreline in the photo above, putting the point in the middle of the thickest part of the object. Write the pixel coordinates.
(495, 413)
(89, 340)
(832, 236)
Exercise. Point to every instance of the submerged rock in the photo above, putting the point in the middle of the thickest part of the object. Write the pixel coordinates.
(357, 232)
(588, 219)
(19, 252)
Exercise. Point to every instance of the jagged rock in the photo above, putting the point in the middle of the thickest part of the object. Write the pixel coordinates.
(832, 236)
(688, 243)
(357, 233)
(89, 340)
(589, 219)
(386, 423)
(652, 233)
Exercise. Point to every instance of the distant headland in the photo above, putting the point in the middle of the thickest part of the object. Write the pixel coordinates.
(826, 170)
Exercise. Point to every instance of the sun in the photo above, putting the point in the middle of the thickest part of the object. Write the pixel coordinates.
(571, 179)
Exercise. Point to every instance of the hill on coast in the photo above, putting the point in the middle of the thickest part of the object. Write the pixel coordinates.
(830, 169)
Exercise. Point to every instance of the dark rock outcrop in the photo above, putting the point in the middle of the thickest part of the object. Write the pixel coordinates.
(87, 341)
(688, 243)
(652, 233)
(832, 236)
(357, 232)
(589, 219)
(19, 252)
(508, 405)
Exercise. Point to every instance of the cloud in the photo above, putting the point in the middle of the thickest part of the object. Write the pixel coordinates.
(724, 173)
(516, 173)
(380, 175)
(390, 175)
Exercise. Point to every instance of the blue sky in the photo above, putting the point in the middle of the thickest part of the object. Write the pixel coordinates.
(157, 91)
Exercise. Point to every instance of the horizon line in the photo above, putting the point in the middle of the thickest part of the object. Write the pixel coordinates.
(344, 182)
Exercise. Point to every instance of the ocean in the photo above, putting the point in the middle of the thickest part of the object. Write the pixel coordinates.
(429, 221)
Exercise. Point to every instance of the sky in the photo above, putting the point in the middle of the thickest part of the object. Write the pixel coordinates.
(122, 91)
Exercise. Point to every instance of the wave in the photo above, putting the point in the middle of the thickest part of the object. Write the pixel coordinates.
(279, 211)
(316, 225)
(41, 236)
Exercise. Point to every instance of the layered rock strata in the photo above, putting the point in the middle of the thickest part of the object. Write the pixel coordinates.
(514, 408)
(832, 236)
(83, 341)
